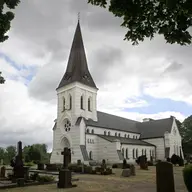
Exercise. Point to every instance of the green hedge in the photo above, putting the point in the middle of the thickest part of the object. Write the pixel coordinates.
(187, 175)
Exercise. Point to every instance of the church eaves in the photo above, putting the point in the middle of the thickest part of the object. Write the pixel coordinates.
(77, 69)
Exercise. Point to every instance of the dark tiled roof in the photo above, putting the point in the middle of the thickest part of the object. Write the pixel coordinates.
(113, 122)
(149, 129)
(155, 128)
(77, 69)
(125, 140)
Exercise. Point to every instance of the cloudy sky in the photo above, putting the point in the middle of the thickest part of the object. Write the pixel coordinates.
(150, 80)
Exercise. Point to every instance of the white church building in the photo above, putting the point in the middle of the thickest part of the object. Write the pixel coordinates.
(93, 135)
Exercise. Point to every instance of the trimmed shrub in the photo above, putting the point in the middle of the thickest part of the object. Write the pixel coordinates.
(187, 175)
(175, 159)
(34, 176)
(168, 159)
(53, 167)
(88, 169)
(150, 163)
(76, 168)
(114, 166)
(181, 162)
(45, 178)
(29, 164)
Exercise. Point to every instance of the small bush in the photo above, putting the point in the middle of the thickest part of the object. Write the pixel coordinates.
(88, 169)
(187, 175)
(168, 159)
(181, 162)
(45, 178)
(29, 164)
(53, 167)
(34, 176)
(114, 166)
(150, 163)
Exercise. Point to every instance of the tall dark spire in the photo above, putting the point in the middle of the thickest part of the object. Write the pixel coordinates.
(77, 69)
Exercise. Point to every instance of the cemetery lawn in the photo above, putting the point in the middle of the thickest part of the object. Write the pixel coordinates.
(144, 181)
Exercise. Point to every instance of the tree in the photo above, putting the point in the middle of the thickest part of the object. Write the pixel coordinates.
(186, 133)
(2, 80)
(6, 17)
(145, 18)
(10, 153)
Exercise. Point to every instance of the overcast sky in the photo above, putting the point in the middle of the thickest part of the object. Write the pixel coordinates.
(150, 80)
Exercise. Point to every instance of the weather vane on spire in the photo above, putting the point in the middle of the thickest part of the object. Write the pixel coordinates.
(78, 16)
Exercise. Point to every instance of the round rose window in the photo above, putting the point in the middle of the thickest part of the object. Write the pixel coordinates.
(67, 125)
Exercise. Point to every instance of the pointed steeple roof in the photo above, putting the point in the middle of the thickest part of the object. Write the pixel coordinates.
(77, 69)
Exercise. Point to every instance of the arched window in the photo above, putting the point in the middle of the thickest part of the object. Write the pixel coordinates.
(119, 134)
(109, 133)
(82, 102)
(92, 131)
(70, 102)
(150, 153)
(87, 130)
(89, 104)
(105, 132)
(136, 153)
(142, 151)
(133, 136)
(127, 155)
(133, 153)
(116, 134)
(125, 135)
(145, 152)
(63, 103)
(123, 152)
(90, 155)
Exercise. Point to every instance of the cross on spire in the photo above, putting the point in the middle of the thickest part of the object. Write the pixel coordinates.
(78, 16)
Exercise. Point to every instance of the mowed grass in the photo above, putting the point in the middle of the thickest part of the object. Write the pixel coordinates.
(144, 181)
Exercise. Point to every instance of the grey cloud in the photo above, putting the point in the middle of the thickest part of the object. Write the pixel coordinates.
(103, 60)
(174, 67)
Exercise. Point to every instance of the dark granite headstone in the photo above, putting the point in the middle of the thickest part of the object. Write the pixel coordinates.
(2, 175)
(17, 164)
(143, 162)
(165, 177)
(65, 175)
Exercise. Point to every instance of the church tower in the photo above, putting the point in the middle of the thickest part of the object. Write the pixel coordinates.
(77, 91)
(77, 95)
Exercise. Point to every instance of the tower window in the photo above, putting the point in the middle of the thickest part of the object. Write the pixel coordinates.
(70, 102)
(92, 131)
(105, 132)
(116, 134)
(87, 130)
(82, 102)
(63, 103)
(127, 155)
(125, 135)
(108, 132)
(89, 104)
(119, 135)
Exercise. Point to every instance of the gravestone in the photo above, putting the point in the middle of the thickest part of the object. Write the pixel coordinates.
(143, 162)
(126, 173)
(17, 164)
(2, 175)
(165, 177)
(132, 170)
(65, 175)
